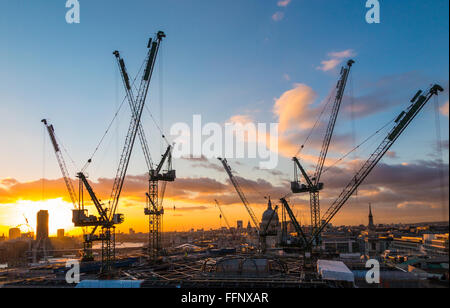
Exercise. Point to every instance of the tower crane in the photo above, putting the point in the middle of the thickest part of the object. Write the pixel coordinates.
(108, 217)
(314, 186)
(240, 193)
(154, 208)
(80, 217)
(402, 122)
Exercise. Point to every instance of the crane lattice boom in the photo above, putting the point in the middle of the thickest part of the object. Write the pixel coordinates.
(240, 192)
(62, 164)
(134, 124)
(134, 108)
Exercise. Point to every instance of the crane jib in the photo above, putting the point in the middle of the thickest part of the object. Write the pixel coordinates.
(407, 117)
(148, 69)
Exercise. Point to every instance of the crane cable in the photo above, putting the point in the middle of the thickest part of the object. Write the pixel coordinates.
(440, 155)
(352, 116)
(111, 123)
(316, 123)
(358, 146)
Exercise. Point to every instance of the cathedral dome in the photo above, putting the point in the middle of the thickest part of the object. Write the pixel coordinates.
(267, 215)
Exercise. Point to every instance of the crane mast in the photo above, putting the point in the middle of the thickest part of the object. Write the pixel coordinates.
(402, 122)
(62, 164)
(239, 192)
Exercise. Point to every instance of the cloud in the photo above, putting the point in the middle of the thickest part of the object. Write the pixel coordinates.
(392, 188)
(283, 3)
(328, 65)
(240, 119)
(391, 154)
(342, 54)
(278, 16)
(336, 58)
(208, 165)
(444, 109)
(297, 113)
(273, 172)
(197, 159)
(382, 94)
(293, 108)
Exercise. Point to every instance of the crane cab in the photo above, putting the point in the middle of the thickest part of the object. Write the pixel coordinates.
(118, 219)
(297, 187)
(80, 218)
(168, 176)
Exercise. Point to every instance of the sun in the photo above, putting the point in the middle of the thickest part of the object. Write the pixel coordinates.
(24, 214)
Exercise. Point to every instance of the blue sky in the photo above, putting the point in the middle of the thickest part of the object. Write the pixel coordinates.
(220, 59)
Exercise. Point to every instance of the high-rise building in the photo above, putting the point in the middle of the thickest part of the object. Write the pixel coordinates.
(42, 225)
(60, 233)
(14, 233)
(240, 224)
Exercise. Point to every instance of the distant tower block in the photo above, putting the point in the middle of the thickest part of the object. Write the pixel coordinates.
(371, 224)
(240, 225)
(42, 225)
(60, 233)
(14, 233)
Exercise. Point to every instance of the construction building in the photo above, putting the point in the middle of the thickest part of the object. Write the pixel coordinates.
(14, 233)
(42, 226)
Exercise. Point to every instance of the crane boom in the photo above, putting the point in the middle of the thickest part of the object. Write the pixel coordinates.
(134, 124)
(61, 163)
(297, 226)
(133, 106)
(101, 211)
(332, 123)
(402, 121)
(240, 192)
(163, 160)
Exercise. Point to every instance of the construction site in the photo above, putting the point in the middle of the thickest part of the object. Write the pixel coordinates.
(272, 251)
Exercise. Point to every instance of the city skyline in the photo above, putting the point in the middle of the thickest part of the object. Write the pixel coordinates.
(275, 61)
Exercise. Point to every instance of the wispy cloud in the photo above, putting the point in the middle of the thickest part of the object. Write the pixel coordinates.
(283, 3)
(336, 58)
(278, 16)
(444, 109)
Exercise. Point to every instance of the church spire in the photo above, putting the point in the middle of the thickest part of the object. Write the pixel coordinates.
(371, 224)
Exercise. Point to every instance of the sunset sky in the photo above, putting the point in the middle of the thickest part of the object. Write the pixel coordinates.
(242, 60)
